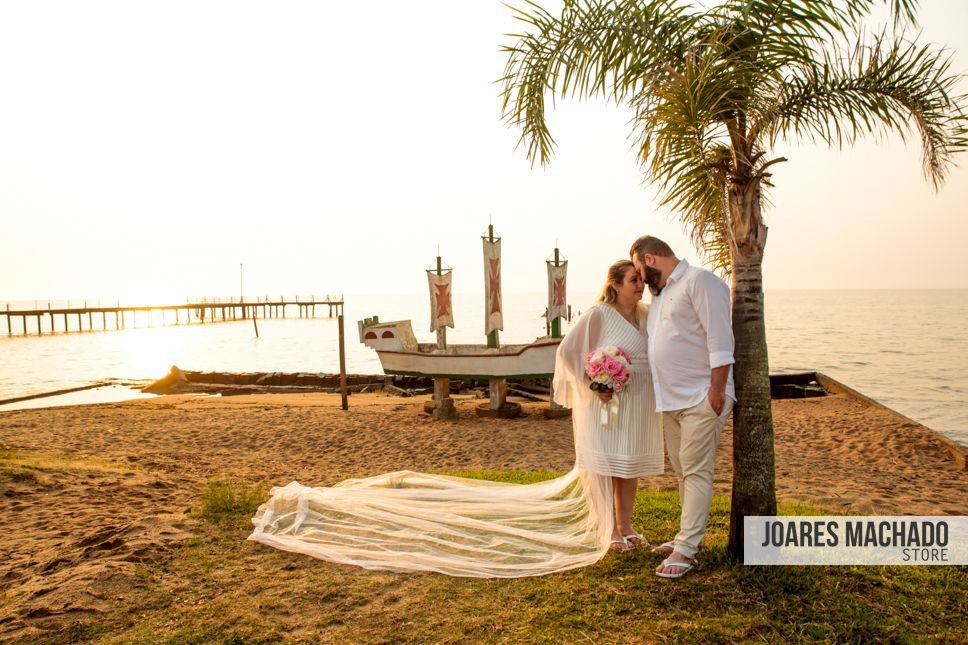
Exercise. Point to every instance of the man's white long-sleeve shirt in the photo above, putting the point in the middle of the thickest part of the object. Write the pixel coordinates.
(689, 334)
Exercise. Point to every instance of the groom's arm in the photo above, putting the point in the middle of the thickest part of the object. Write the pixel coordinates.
(712, 304)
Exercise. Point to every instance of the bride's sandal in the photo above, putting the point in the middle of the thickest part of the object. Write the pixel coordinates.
(637, 540)
(620, 544)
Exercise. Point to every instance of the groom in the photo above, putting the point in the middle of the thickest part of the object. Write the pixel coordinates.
(691, 357)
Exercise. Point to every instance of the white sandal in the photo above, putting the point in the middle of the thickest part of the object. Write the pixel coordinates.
(662, 547)
(621, 544)
(685, 566)
(637, 540)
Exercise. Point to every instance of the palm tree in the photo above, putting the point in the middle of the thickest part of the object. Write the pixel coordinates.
(714, 91)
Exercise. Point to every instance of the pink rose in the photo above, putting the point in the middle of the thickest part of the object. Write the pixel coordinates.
(624, 354)
(622, 376)
(612, 366)
(593, 369)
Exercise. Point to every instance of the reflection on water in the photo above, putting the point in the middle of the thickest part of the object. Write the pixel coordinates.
(106, 394)
(907, 349)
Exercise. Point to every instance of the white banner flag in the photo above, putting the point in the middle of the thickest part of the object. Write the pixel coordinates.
(493, 315)
(441, 309)
(557, 303)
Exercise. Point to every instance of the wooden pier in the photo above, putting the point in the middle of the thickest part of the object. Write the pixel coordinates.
(200, 311)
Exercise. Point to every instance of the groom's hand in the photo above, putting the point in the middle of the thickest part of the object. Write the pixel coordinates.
(717, 388)
(717, 399)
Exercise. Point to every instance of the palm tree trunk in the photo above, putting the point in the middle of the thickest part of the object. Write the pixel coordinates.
(754, 470)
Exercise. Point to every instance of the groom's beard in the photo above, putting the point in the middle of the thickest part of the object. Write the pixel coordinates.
(652, 279)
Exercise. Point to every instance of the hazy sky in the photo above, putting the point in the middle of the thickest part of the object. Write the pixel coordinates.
(146, 149)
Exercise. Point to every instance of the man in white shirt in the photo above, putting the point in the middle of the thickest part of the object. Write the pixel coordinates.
(691, 357)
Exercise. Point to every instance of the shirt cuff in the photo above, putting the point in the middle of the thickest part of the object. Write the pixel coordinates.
(718, 359)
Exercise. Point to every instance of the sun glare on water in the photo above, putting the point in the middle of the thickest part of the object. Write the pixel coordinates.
(148, 351)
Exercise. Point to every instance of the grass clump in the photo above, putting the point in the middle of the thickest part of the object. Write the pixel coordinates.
(226, 499)
(54, 462)
(19, 476)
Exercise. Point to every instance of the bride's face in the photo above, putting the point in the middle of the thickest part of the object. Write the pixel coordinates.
(630, 290)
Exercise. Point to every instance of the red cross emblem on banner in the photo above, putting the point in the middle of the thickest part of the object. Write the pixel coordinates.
(443, 299)
(494, 272)
(559, 291)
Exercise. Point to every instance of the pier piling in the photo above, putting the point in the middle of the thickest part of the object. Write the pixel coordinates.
(342, 366)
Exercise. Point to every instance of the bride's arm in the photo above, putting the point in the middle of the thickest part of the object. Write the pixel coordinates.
(571, 386)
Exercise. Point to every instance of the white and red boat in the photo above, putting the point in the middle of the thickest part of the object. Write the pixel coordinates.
(401, 354)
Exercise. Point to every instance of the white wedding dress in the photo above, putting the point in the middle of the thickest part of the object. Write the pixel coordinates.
(408, 521)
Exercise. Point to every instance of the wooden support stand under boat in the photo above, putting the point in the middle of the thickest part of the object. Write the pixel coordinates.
(555, 411)
(498, 406)
(441, 406)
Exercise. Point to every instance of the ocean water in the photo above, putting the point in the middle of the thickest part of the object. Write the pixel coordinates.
(907, 349)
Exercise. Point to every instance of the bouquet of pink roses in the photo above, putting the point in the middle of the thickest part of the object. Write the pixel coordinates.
(608, 369)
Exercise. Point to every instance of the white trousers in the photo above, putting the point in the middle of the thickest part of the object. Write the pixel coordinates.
(691, 436)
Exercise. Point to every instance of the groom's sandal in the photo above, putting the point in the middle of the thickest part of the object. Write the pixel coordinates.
(682, 568)
(666, 548)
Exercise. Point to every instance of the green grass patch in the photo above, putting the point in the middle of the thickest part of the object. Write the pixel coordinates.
(508, 476)
(221, 588)
(52, 462)
(19, 476)
(226, 499)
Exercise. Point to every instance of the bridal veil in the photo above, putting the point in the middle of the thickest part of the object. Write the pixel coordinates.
(409, 521)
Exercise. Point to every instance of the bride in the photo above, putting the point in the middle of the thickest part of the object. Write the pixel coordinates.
(407, 521)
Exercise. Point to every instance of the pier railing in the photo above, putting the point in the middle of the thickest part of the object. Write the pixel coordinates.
(292, 300)
(193, 311)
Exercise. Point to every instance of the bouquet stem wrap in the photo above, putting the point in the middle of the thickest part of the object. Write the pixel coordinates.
(607, 410)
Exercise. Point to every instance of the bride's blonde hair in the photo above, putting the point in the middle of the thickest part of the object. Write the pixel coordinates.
(616, 275)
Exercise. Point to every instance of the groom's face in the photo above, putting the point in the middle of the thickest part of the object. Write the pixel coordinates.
(649, 273)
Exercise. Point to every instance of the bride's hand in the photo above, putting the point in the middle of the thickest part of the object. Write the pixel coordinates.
(605, 397)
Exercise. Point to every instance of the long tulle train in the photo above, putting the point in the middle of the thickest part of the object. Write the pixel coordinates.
(408, 521)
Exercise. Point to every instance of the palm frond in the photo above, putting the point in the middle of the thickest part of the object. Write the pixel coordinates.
(888, 85)
(685, 148)
(604, 48)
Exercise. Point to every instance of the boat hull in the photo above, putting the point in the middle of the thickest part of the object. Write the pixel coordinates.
(535, 361)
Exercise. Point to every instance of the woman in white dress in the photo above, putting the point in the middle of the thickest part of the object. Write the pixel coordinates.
(629, 444)
(408, 521)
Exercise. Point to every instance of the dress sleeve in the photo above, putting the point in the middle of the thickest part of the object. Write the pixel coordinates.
(570, 383)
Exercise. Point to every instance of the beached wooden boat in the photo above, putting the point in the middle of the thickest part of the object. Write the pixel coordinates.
(400, 353)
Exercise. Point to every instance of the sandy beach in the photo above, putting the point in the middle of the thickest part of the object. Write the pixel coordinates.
(89, 492)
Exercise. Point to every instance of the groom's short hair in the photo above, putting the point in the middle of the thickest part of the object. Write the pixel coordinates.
(651, 245)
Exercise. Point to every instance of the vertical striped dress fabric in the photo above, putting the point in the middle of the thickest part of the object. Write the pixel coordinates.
(630, 443)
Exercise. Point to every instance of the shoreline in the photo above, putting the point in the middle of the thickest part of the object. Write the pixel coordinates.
(248, 383)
